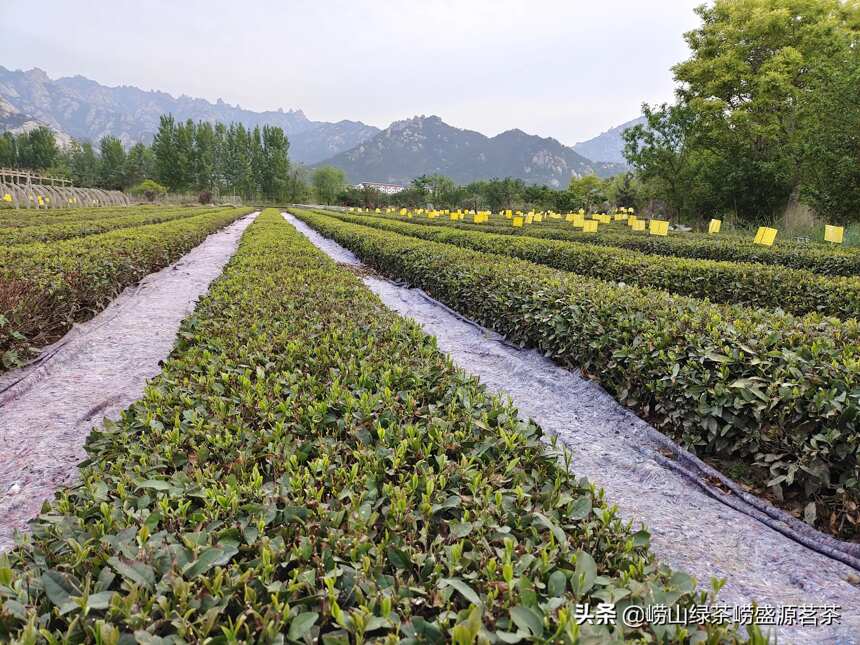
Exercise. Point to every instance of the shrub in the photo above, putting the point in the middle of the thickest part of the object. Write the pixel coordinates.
(148, 189)
(310, 466)
(771, 390)
(793, 290)
(72, 280)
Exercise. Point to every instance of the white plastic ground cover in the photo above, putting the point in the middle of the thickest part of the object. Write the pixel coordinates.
(98, 369)
(691, 530)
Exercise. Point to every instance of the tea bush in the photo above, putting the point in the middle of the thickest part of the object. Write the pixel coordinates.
(68, 228)
(826, 261)
(795, 291)
(46, 287)
(774, 391)
(309, 467)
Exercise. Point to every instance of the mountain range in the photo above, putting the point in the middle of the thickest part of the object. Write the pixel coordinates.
(608, 146)
(427, 145)
(86, 110)
(80, 108)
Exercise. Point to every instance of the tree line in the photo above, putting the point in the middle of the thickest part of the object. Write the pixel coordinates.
(767, 114)
(225, 159)
(590, 193)
(766, 119)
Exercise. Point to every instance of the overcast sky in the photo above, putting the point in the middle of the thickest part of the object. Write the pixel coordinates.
(562, 68)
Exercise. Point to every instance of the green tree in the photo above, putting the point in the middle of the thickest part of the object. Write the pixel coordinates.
(625, 191)
(831, 151)
(587, 192)
(8, 150)
(166, 153)
(204, 176)
(328, 183)
(112, 170)
(751, 73)
(84, 164)
(139, 164)
(276, 164)
(752, 129)
(37, 149)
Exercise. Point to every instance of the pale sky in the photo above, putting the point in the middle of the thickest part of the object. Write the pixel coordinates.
(569, 69)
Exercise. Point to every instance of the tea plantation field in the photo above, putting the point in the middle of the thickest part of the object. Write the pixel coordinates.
(754, 365)
(309, 466)
(64, 267)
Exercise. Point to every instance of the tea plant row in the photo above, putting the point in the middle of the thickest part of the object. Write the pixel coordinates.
(794, 290)
(68, 228)
(45, 288)
(773, 392)
(813, 257)
(310, 468)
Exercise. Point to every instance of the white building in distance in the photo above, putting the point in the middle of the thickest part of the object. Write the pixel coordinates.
(388, 189)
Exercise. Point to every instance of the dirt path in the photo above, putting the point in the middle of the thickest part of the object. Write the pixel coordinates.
(691, 530)
(95, 371)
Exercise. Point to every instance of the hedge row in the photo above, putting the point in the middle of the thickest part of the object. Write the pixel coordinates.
(68, 228)
(778, 393)
(45, 288)
(798, 292)
(38, 217)
(309, 465)
(833, 262)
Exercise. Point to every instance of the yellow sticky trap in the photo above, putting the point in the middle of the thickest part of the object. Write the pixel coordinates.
(589, 226)
(538, 218)
(606, 219)
(765, 236)
(578, 220)
(658, 227)
(638, 225)
(714, 226)
(834, 234)
(529, 218)
(620, 217)
(517, 222)
(7, 197)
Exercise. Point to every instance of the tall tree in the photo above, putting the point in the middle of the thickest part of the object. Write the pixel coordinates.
(139, 164)
(831, 136)
(37, 149)
(745, 104)
(276, 164)
(328, 183)
(164, 147)
(84, 164)
(112, 172)
(8, 150)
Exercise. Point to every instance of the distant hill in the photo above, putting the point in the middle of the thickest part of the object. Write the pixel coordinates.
(86, 110)
(328, 139)
(608, 146)
(80, 108)
(16, 122)
(427, 145)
